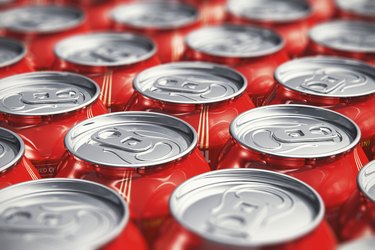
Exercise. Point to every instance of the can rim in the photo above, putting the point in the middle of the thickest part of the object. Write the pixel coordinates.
(186, 152)
(361, 177)
(352, 9)
(20, 153)
(278, 71)
(111, 235)
(322, 155)
(115, 15)
(60, 47)
(19, 57)
(59, 73)
(136, 81)
(314, 225)
(213, 28)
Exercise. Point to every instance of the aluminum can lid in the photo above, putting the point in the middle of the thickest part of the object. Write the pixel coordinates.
(11, 51)
(12, 149)
(361, 7)
(366, 180)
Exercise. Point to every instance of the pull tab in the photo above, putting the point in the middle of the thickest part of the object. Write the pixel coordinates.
(51, 96)
(112, 54)
(122, 139)
(181, 84)
(306, 133)
(324, 83)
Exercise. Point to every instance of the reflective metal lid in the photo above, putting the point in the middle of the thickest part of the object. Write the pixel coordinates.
(60, 214)
(12, 148)
(366, 180)
(160, 15)
(295, 131)
(270, 10)
(190, 83)
(247, 207)
(362, 244)
(350, 36)
(235, 41)
(41, 19)
(131, 139)
(361, 7)
(105, 49)
(11, 51)
(327, 76)
(46, 93)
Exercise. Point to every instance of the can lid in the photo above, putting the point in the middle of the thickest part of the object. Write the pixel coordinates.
(247, 207)
(363, 244)
(161, 15)
(66, 213)
(352, 36)
(11, 51)
(295, 131)
(190, 83)
(235, 41)
(46, 93)
(327, 76)
(41, 19)
(366, 180)
(131, 139)
(105, 49)
(361, 7)
(12, 148)
(270, 10)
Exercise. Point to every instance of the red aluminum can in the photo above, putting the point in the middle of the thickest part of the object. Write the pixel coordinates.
(166, 23)
(357, 220)
(322, 10)
(60, 214)
(207, 96)
(290, 18)
(13, 58)
(41, 107)
(356, 9)
(245, 209)
(352, 39)
(141, 155)
(40, 27)
(111, 59)
(343, 85)
(211, 11)
(253, 51)
(14, 167)
(315, 145)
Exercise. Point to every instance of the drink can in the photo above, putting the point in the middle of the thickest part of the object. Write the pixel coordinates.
(356, 9)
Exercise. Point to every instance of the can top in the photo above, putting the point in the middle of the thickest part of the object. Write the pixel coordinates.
(327, 76)
(12, 148)
(131, 139)
(60, 213)
(352, 36)
(11, 51)
(360, 7)
(105, 49)
(235, 41)
(366, 180)
(161, 15)
(190, 83)
(362, 244)
(46, 93)
(247, 207)
(41, 19)
(295, 131)
(270, 10)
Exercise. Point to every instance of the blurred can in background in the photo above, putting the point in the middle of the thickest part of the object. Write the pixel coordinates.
(356, 9)
(41, 107)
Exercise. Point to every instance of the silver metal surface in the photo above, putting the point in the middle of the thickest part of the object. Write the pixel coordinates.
(362, 244)
(235, 41)
(295, 131)
(41, 19)
(327, 76)
(11, 51)
(270, 10)
(131, 139)
(105, 49)
(160, 15)
(12, 149)
(352, 36)
(190, 83)
(360, 7)
(46, 93)
(247, 207)
(60, 214)
(366, 180)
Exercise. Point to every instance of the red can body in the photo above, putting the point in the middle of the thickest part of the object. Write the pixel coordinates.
(323, 10)
(211, 11)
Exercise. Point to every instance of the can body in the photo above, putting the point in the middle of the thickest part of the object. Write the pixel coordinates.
(211, 11)
(23, 66)
(23, 171)
(323, 10)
